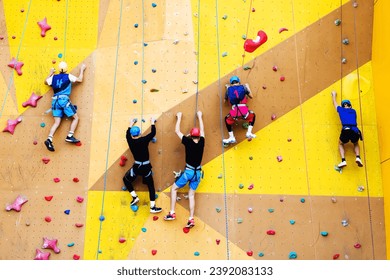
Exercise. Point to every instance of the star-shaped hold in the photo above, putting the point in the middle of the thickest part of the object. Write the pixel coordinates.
(39, 255)
(17, 204)
(17, 65)
(44, 26)
(50, 244)
(32, 101)
(11, 124)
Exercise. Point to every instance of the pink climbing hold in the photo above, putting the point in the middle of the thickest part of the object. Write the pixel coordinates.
(45, 160)
(273, 117)
(48, 219)
(282, 29)
(357, 245)
(252, 45)
(11, 125)
(39, 255)
(79, 225)
(251, 186)
(32, 101)
(79, 199)
(17, 204)
(56, 180)
(122, 240)
(17, 65)
(50, 244)
(279, 158)
(44, 26)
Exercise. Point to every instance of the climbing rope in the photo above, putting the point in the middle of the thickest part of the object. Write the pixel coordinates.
(110, 127)
(362, 129)
(197, 64)
(65, 30)
(11, 79)
(222, 125)
(247, 30)
(143, 63)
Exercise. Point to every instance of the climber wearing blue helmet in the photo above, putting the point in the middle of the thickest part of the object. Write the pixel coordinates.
(349, 131)
(139, 147)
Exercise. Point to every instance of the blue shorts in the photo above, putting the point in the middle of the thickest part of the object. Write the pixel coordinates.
(191, 176)
(62, 106)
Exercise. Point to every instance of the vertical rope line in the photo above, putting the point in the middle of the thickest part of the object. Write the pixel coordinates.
(221, 118)
(362, 128)
(247, 30)
(66, 28)
(341, 49)
(11, 79)
(302, 118)
(110, 126)
(197, 65)
(143, 64)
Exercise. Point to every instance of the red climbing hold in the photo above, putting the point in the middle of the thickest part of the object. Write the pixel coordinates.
(45, 160)
(11, 125)
(271, 232)
(282, 29)
(357, 245)
(155, 218)
(186, 229)
(154, 252)
(251, 186)
(79, 199)
(76, 257)
(336, 256)
(123, 161)
(17, 65)
(56, 180)
(48, 219)
(252, 45)
(32, 101)
(76, 180)
(44, 26)
(122, 240)
(249, 253)
(48, 198)
(217, 241)
(79, 225)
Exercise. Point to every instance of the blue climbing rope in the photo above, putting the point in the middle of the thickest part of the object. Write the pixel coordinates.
(110, 127)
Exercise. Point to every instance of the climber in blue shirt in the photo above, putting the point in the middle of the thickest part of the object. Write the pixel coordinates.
(349, 131)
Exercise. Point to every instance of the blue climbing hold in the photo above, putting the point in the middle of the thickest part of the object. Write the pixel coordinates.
(196, 254)
(156, 196)
(154, 70)
(124, 188)
(134, 101)
(324, 233)
(134, 208)
(154, 5)
(101, 218)
(154, 140)
(261, 254)
(303, 200)
(143, 229)
(60, 55)
(144, 81)
(71, 244)
(67, 212)
(43, 124)
(292, 222)
(135, 62)
(292, 255)
(136, 25)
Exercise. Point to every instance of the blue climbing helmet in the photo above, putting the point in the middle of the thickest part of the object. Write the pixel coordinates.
(135, 131)
(346, 101)
(234, 79)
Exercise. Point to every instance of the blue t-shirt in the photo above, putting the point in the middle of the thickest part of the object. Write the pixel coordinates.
(347, 116)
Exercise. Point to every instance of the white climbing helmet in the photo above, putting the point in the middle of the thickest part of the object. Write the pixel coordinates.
(63, 67)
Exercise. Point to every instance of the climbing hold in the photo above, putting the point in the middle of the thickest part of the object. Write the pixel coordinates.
(279, 158)
(336, 256)
(253, 10)
(264, 87)
(17, 65)
(154, 140)
(241, 186)
(17, 204)
(124, 188)
(292, 255)
(218, 209)
(44, 26)
(217, 241)
(245, 125)
(250, 158)
(249, 253)
(345, 41)
(154, 70)
(250, 210)
(289, 139)
(282, 29)
(102, 218)
(50, 244)
(186, 229)
(67, 211)
(292, 222)
(344, 223)
(154, 90)
(70, 244)
(42, 124)
(224, 54)
(196, 254)
(144, 81)
(79, 225)
(76, 257)
(55, 38)
(122, 240)
(48, 198)
(45, 160)
(324, 233)
(135, 25)
(250, 45)
(333, 199)
(145, 44)
(220, 176)
(343, 60)
(123, 161)
(11, 125)
(246, 67)
(155, 218)
(48, 219)
(143, 229)
(355, 4)
(360, 188)
(273, 117)
(76, 180)
(357, 245)
(35, 142)
(239, 220)
(303, 200)
(337, 22)
(134, 101)
(224, 17)
(56, 180)
(282, 78)
(260, 254)
(275, 68)
(175, 42)
(32, 101)
(39, 255)
(135, 62)
(154, 252)
(134, 208)
(154, 5)
(271, 210)
(271, 232)
(251, 186)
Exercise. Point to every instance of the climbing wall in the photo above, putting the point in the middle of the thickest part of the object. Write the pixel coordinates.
(278, 196)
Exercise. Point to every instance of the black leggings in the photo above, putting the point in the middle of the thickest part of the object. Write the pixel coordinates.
(147, 178)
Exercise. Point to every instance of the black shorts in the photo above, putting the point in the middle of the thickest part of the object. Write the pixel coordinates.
(347, 135)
